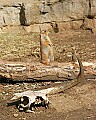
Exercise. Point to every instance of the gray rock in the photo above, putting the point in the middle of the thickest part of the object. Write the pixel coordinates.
(29, 13)
(74, 9)
(2, 18)
(67, 10)
(9, 16)
(93, 7)
(52, 10)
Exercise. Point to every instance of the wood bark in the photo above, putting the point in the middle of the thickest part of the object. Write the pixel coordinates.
(37, 71)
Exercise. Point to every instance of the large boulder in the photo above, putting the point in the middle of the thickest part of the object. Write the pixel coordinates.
(71, 9)
(66, 10)
(37, 12)
(9, 15)
(30, 13)
(93, 7)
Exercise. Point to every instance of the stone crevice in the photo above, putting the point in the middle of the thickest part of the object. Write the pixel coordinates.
(58, 10)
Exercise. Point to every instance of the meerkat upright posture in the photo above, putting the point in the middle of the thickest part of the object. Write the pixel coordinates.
(46, 48)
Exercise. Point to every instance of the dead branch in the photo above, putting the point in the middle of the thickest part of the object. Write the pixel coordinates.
(36, 71)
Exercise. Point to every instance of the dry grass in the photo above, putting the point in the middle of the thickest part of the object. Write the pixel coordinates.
(17, 45)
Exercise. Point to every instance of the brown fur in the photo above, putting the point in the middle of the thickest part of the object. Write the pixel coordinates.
(46, 48)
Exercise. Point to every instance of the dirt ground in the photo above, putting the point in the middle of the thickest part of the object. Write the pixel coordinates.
(77, 103)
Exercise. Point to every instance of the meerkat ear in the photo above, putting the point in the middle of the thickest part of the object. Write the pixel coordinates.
(47, 32)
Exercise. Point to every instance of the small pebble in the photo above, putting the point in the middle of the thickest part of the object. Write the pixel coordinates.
(15, 115)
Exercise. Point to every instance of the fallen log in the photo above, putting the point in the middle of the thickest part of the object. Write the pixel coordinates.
(37, 71)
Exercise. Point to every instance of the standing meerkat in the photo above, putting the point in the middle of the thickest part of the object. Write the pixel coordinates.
(46, 48)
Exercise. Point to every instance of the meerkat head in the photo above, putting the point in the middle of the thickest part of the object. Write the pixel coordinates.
(45, 32)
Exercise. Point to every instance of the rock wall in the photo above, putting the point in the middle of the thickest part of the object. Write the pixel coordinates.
(38, 12)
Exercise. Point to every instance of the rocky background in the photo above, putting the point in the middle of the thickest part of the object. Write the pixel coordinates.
(20, 44)
(71, 13)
